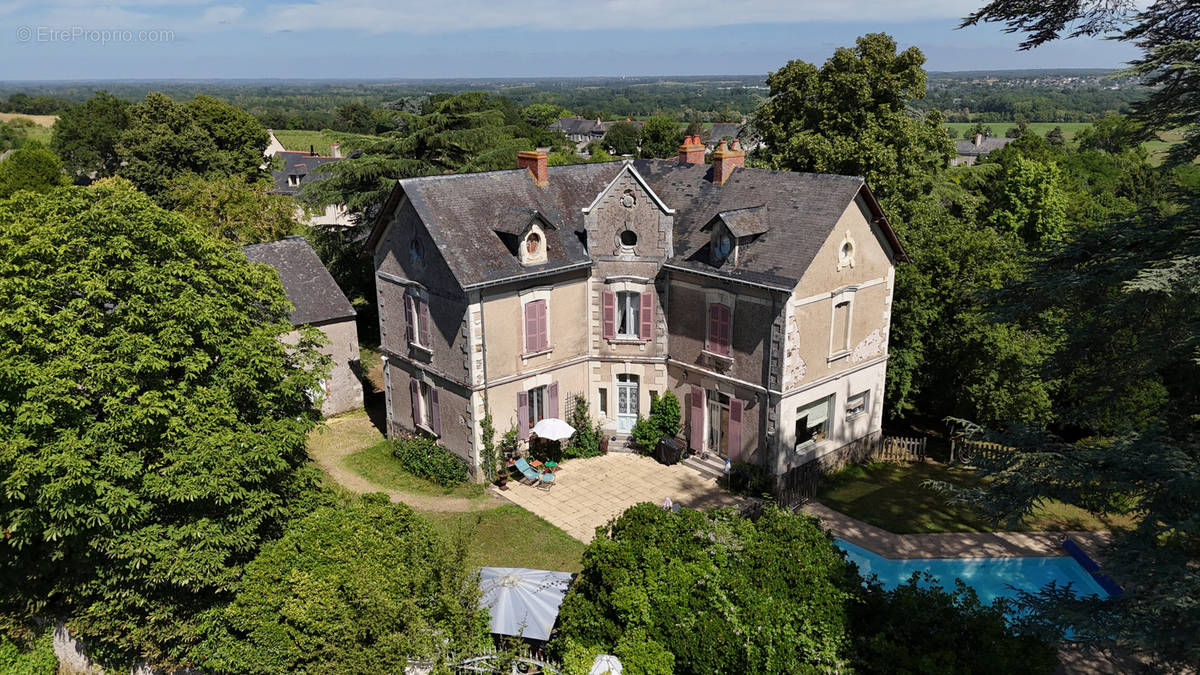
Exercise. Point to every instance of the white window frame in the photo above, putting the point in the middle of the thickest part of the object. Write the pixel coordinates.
(827, 423)
(527, 296)
(629, 306)
(415, 320)
(539, 394)
(858, 404)
(424, 398)
(836, 350)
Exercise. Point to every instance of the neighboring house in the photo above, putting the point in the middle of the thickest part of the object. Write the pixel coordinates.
(968, 151)
(761, 298)
(720, 131)
(584, 131)
(321, 304)
(300, 168)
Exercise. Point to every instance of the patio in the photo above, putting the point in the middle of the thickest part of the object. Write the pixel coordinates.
(587, 493)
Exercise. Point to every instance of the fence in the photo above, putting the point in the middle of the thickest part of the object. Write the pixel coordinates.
(966, 451)
(494, 661)
(902, 449)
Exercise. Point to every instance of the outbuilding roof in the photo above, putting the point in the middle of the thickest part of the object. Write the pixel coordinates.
(308, 284)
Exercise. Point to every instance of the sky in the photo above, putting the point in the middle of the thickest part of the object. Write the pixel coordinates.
(402, 39)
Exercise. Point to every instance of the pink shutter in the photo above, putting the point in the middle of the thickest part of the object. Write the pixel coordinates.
(414, 388)
(735, 430)
(531, 328)
(647, 316)
(522, 415)
(712, 343)
(727, 329)
(543, 326)
(435, 412)
(410, 318)
(696, 419)
(424, 323)
(552, 392)
(610, 315)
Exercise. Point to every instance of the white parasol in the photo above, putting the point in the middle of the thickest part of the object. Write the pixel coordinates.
(553, 429)
(522, 602)
(606, 663)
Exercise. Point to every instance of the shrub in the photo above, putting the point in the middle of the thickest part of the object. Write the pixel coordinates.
(422, 456)
(586, 441)
(663, 422)
(749, 479)
(35, 659)
(489, 455)
(349, 589)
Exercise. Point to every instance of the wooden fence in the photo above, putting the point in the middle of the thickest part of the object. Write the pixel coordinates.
(966, 451)
(902, 449)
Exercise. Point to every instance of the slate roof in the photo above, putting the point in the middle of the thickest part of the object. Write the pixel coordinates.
(793, 214)
(967, 147)
(309, 286)
(572, 126)
(742, 222)
(304, 164)
(721, 130)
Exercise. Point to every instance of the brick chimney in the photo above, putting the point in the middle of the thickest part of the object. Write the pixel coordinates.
(536, 163)
(978, 140)
(725, 160)
(335, 150)
(692, 151)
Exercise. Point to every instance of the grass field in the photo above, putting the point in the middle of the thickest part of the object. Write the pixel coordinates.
(891, 496)
(1039, 128)
(41, 129)
(378, 465)
(320, 140)
(510, 536)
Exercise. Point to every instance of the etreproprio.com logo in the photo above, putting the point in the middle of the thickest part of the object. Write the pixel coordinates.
(101, 36)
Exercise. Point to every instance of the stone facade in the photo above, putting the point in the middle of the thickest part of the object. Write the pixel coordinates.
(625, 324)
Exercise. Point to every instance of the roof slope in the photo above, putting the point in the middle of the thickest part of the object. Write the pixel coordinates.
(793, 215)
(303, 164)
(968, 147)
(308, 285)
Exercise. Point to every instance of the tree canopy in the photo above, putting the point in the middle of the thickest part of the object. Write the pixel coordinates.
(231, 208)
(152, 424)
(86, 135)
(356, 588)
(661, 137)
(31, 167)
(622, 138)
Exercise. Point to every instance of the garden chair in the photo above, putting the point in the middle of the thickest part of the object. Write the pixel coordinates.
(545, 481)
(531, 474)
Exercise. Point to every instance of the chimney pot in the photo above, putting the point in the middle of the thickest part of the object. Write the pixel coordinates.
(535, 162)
(725, 160)
(335, 150)
(978, 140)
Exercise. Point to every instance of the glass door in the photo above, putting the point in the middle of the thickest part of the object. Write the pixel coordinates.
(718, 422)
(627, 402)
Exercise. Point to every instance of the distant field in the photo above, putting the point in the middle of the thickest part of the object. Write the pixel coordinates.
(1158, 149)
(41, 130)
(320, 140)
(1039, 128)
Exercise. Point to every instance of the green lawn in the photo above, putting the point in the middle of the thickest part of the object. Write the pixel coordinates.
(293, 139)
(891, 496)
(377, 464)
(510, 536)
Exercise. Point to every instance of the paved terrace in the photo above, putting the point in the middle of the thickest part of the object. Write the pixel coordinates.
(588, 493)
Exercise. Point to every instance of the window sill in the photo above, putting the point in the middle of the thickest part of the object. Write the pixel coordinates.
(838, 356)
(720, 359)
(530, 355)
(626, 340)
(426, 429)
(420, 347)
(854, 416)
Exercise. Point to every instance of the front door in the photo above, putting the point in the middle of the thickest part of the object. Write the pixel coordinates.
(627, 402)
(718, 422)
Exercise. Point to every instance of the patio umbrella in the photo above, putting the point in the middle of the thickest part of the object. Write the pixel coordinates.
(606, 663)
(553, 429)
(521, 601)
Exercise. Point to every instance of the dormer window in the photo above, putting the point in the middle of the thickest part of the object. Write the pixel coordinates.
(723, 246)
(293, 179)
(533, 243)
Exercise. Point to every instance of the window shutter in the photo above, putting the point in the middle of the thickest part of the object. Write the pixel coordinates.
(425, 328)
(522, 415)
(531, 327)
(647, 328)
(697, 419)
(414, 388)
(723, 329)
(410, 318)
(552, 392)
(735, 430)
(435, 412)
(543, 326)
(610, 315)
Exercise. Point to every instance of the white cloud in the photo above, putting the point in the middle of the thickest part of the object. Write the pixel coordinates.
(421, 16)
(223, 14)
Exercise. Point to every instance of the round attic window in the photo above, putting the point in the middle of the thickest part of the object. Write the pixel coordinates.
(533, 243)
(629, 238)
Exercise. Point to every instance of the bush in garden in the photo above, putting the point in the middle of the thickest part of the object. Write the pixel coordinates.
(422, 456)
(586, 441)
(357, 588)
(663, 422)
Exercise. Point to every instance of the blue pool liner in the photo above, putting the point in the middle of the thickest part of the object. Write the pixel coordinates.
(1093, 568)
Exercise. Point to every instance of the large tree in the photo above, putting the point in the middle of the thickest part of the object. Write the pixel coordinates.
(204, 136)
(33, 168)
(354, 588)
(622, 138)
(851, 116)
(233, 209)
(661, 137)
(152, 424)
(86, 135)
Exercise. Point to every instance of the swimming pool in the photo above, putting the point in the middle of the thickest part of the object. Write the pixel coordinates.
(990, 577)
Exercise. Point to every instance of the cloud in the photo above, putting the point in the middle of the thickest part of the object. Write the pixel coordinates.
(223, 14)
(420, 16)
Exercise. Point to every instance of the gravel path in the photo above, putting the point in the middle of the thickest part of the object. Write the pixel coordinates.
(335, 439)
